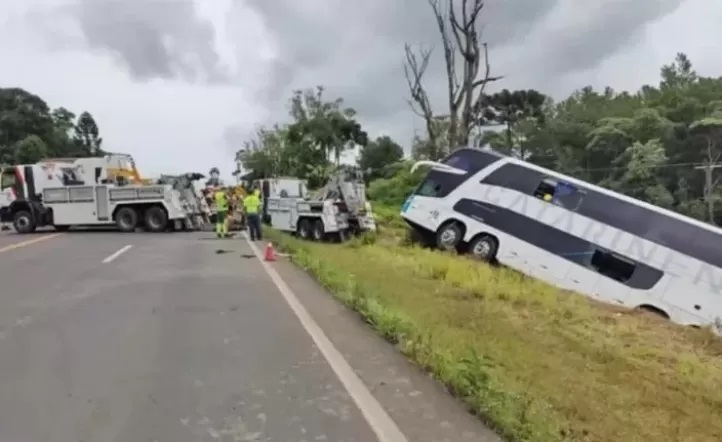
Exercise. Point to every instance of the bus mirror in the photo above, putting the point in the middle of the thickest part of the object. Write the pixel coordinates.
(438, 166)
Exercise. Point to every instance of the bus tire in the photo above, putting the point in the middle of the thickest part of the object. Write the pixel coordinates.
(126, 218)
(449, 236)
(24, 222)
(303, 229)
(484, 247)
(156, 220)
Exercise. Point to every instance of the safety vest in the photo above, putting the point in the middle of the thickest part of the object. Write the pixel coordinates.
(221, 201)
(251, 203)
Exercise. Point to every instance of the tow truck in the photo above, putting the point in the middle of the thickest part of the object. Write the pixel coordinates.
(98, 191)
(335, 212)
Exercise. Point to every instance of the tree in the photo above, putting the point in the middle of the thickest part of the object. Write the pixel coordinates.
(320, 131)
(710, 129)
(214, 177)
(661, 143)
(460, 32)
(87, 136)
(377, 155)
(325, 125)
(22, 114)
(30, 150)
(63, 143)
(428, 148)
(518, 112)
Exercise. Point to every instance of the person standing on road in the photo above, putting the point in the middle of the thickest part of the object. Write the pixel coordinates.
(221, 213)
(251, 204)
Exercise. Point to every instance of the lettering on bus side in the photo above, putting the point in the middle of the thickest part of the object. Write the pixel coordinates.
(560, 243)
(644, 245)
(709, 275)
(594, 232)
(668, 231)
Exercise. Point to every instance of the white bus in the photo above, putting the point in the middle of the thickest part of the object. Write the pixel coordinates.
(572, 234)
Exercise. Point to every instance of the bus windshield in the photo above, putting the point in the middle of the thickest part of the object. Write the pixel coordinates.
(440, 182)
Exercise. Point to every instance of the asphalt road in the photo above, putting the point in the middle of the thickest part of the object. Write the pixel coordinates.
(142, 337)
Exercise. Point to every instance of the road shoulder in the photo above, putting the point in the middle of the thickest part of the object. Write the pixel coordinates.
(421, 407)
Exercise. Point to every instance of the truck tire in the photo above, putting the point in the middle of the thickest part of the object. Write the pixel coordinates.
(303, 230)
(156, 220)
(318, 233)
(126, 218)
(24, 222)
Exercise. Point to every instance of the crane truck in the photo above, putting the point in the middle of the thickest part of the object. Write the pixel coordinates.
(98, 191)
(335, 212)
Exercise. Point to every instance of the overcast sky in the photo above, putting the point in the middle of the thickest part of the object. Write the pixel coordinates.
(181, 83)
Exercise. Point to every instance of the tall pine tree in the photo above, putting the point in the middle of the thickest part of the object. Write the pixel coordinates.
(87, 136)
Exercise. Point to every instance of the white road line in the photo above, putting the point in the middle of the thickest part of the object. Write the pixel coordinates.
(380, 422)
(112, 257)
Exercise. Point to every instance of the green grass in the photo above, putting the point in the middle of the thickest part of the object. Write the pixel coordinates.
(536, 363)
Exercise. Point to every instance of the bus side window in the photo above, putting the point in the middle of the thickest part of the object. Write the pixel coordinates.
(612, 265)
(568, 196)
(545, 190)
(559, 193)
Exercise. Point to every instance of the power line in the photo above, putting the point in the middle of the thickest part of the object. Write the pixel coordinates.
(659, 166)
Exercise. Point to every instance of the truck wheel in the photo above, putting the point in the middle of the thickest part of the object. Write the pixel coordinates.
(126, 218)
(24, 222)
(156, 219)
(303, 230)
(318, 231)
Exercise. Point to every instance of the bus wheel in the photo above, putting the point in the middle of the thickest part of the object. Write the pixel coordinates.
(484, 247)
(449, 236)
(126, 218)
(24, 222)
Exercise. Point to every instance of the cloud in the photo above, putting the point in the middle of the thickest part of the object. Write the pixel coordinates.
(154, 39)
(181, 83)
(356, 48)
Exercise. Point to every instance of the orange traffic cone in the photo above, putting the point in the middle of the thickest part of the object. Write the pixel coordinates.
(270, 253)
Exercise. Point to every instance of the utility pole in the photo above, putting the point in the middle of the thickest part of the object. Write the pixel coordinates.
(710, 184)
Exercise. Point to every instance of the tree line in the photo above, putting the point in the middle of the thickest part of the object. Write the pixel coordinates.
(31, 131)
(661, 144)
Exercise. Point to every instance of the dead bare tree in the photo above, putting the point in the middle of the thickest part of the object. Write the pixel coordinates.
(414, 70)
(460, 37)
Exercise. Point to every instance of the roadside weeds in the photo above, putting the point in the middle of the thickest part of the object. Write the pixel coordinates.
(535, 363)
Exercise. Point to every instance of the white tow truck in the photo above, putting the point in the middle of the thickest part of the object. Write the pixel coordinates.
(85, 192)
(335, 212)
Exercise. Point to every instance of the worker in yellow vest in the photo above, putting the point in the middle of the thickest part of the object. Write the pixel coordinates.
(252, 205)
(221, 212)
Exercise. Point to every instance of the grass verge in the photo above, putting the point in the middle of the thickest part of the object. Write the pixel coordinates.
(537, 364)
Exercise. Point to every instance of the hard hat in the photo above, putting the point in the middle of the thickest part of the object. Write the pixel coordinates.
(547, 197)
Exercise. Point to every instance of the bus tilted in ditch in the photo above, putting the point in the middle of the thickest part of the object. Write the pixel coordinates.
(571, 234)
